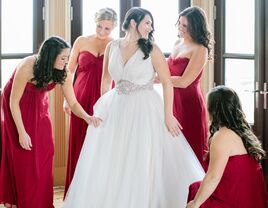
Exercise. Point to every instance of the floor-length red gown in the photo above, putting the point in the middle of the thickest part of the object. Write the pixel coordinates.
(242, 186)
(190, 109)
(87, 91)
(26, 178)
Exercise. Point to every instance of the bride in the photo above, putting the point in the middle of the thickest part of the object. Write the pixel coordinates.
(137, 157)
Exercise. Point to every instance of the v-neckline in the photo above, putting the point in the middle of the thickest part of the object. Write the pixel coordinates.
(124, 64)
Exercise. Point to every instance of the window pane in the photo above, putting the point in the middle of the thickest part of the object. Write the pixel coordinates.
(239, 75)
(90, 8)
(17, 26)
(164, 22)
(8, 67)
(240, 39)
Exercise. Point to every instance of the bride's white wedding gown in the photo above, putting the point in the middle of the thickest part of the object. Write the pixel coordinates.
(131, 160)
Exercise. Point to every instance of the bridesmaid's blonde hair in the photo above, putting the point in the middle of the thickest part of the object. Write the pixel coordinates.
(106, 14)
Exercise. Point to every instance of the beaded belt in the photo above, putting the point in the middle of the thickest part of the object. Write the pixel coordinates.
(126, 87)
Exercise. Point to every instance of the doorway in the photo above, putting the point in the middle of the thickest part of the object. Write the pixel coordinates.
(241, 59)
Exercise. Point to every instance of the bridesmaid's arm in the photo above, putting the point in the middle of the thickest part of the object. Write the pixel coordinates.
(161, 67)
(193, 69)
(72, 64)
(219, 155)
(76, 108)
(106, 82)
(23, 74)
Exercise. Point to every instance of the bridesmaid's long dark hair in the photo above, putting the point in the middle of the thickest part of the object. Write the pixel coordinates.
(225, 110)
(43, 70)
(198, 27)
(137, 14)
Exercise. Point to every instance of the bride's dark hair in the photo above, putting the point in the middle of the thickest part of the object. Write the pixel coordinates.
(137, 14)
(43, 70)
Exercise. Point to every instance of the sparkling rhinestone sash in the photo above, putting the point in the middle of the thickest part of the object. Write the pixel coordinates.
(126, 87)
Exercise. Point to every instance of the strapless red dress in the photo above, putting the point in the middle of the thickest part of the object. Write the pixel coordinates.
(26, 178)
(190, 109)
(242, 186)
(87, 90)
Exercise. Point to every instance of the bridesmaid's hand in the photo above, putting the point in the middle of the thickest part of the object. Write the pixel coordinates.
(191, 204)
(25, 141)
(174, 127)
(66, 107)
(157, 80)
(93, 120)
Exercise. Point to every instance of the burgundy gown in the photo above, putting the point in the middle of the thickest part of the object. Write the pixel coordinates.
(241, 186)
(190, 109)
(26, 176)
(87, 90)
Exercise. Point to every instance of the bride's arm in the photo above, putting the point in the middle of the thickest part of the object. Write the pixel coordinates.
(106, 82)
(161, 67)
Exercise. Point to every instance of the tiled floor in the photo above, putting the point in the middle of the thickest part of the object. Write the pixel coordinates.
(58, 195)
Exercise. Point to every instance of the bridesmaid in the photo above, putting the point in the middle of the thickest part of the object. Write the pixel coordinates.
(86, 61)
(234, 178)
(186, 64)
(26, 179)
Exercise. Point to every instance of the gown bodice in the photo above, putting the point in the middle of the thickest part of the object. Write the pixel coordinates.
(136, 70)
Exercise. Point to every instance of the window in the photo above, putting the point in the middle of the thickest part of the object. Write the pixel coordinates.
(165, 30)
(83, 18)
(21, 34)
(89, 11)
(163, 22)
(235, 50)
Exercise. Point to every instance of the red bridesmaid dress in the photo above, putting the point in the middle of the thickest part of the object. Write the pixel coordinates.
(26, 178)
(190, 109)
(87, 91)
(242, 186)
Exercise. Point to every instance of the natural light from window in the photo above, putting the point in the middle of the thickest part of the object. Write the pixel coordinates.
(17, 26)
(239, 75)
(89, 10)
(8, 67)
(240, 39)
(16, 33)
(165, 17)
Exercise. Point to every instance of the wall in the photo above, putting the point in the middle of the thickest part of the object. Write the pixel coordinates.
(208, 77)
(57, 18)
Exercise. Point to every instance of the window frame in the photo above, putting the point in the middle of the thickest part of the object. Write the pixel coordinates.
(125, 5)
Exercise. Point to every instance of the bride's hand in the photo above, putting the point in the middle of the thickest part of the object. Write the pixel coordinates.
(93, 120)
(174, 127)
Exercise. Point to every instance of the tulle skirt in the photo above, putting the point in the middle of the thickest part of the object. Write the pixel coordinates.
(131, 160)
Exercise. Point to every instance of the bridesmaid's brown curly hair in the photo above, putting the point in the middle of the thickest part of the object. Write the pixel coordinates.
(44, 71)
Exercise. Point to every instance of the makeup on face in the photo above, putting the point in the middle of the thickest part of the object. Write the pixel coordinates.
(104, 28)
(62, 59)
